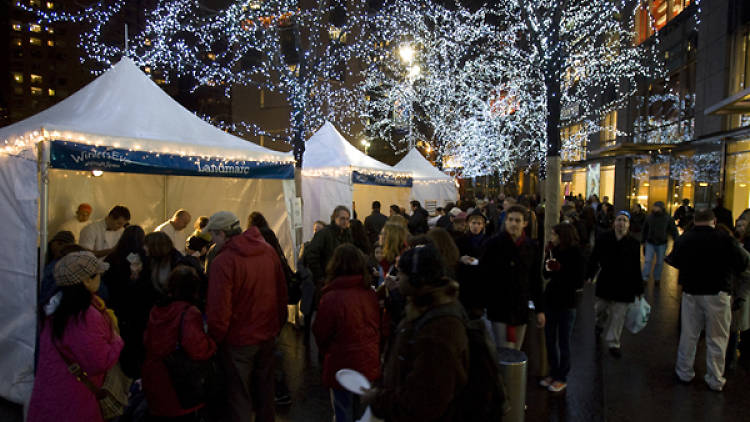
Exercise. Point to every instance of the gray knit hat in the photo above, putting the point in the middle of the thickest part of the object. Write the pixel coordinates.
(77, 267)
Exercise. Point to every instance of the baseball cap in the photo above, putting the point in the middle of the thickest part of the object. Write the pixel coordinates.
(76, 267)
(222, 220)
(625, 213)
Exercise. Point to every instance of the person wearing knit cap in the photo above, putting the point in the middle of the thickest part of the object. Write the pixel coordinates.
(617, 253)
(658, 226)
(80, 331)
(75, 225)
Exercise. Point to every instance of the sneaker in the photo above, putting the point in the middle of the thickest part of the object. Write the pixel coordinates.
(717, 388)
(557, 386)
(546, 382)
(615, 352)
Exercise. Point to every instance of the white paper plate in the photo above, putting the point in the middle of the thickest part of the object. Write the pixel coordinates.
(352, 380)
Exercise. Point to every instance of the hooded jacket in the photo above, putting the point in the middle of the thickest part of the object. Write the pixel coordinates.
(247, 292)
(160, 340)
(347, 329)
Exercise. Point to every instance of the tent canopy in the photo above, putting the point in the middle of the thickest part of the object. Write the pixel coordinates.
(420, 168)
(123, 108)
(432, 188)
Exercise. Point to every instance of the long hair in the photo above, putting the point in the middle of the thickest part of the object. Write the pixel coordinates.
(567, 234)
(394, 239)
(75, 300)
(257, 219)
(131, 241)
(347, 260)
(336, 211)
(159, 245)
(359, 236)
(184, 284)
(444, 243)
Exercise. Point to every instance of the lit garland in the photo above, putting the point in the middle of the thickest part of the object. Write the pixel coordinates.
(674, 124)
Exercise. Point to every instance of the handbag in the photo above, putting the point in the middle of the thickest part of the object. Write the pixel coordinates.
(112, 395)
(195, 382)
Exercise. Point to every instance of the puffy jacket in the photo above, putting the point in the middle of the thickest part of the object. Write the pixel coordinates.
(88, 341)
(347, 329)
(513, 276)
(620, 263)
(246, 292)
(160, 340)
(707, 260)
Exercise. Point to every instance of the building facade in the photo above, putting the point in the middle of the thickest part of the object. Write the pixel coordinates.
(684, 136)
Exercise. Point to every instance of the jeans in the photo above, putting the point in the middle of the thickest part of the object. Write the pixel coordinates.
(343, 403)
(250, 381)
(713, 313)
(557, 331)
(651, 250)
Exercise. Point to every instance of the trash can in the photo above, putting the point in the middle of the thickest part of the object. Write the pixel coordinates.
(513, 369)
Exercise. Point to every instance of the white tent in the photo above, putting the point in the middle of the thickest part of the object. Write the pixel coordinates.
(156, 157)
(334, 172)
(431, 187)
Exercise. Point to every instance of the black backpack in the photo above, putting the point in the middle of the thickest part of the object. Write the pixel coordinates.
(484, 397)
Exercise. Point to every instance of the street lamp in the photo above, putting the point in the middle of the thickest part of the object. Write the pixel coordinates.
(407, 53)
(365, 143)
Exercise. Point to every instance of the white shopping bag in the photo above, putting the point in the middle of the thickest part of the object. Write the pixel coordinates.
(637, 316)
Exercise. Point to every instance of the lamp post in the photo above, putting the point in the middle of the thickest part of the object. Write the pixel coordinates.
(366, 144)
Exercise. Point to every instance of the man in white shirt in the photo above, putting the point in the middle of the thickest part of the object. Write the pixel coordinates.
(101, 236)
(175, 229)
(80, 221)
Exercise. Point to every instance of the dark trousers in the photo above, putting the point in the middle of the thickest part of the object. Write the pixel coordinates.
(557, 331)
(250, 381)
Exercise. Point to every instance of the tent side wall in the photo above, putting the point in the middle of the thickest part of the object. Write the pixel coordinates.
(441, 192)
(320, 195)
(19, 190)
(364, 195)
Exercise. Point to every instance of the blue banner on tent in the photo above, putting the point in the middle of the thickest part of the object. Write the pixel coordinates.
(381, 179)
(75, 156)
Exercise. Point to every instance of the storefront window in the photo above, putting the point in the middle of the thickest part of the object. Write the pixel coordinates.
(696, 176)
(653, 15)
(574, 182)
(609, 128)
(607, 183)
(650, 181)
(574, 142)
(737, 188)
(740, 76)
(666, 113)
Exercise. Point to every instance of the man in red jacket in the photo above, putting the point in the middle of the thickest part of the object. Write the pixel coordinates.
(246, 309)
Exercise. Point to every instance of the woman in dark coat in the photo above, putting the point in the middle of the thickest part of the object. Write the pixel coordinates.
(564, 265)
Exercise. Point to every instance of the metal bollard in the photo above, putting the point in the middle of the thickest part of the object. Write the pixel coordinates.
(513, 369)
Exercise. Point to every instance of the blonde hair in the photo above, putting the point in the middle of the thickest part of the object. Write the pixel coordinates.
(394, 238)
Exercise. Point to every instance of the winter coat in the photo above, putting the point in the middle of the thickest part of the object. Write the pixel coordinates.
(321, 247)
(418, 221)
(469, 277)
(247, 292)
(347, 329)
(425, 372)
(656, 228)
(724, 216)
(373, 225)
(160, 340)
(741, 291)
(707, 259)
(90, 341)
(560, 292)
(620, 263)
(513, 276)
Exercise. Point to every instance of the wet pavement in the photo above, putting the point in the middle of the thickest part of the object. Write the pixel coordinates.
(640, 386)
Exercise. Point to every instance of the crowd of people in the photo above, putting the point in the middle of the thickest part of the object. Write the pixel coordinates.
(396, 298)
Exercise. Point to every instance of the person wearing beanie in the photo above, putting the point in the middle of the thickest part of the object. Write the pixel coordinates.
(77, 223)
(431, 349)
(657, 227)
(245, 311)
(470, 247)
(82, 332)
(617, 253)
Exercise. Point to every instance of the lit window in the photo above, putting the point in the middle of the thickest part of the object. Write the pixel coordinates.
(160, 81)
(33, 27)
(18, 90)
(50, 30)
(609, 128)
(51, 92)
(36, 79)
(17, 26)
(17, 42)
(36, 91)
(18, 77)
(35, 3)
(35, 41)
(50, 5)
(50, 43)
(147, 41)
(211, 56)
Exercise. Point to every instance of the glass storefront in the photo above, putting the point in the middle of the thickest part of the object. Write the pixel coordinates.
(574, 182)
(737, 189)
(650, 181)
(696, 175)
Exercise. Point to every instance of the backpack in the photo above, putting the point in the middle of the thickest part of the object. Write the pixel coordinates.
(484, 397)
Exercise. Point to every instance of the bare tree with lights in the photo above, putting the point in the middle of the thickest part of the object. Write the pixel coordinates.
(280, 46)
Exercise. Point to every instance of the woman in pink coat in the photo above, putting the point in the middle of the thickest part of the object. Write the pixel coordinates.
(84, 331)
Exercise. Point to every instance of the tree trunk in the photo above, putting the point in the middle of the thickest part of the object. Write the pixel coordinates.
(552, 80)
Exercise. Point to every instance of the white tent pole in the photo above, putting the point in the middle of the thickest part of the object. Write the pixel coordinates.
(44, 159)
